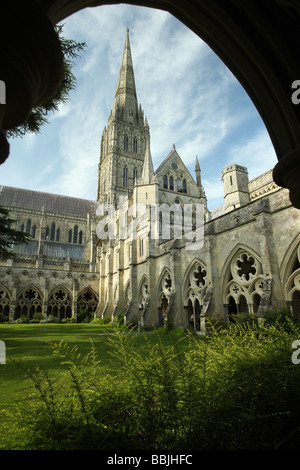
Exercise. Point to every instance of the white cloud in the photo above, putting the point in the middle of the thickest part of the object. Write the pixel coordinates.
(255, 152)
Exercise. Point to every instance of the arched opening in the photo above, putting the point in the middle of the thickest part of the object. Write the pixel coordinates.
(163, 308)
(87, 303)
(190, 313)
(243, 306)
(296, 303)
(5, 301)
(197, 309)
(256, 302)
(232, 308)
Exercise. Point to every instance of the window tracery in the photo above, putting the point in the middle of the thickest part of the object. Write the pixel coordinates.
(244, 287)
(87, 301)
(29, 302)
(60, 303)
(144, 293)
(5, 301)
(292, 280)
(195, 289)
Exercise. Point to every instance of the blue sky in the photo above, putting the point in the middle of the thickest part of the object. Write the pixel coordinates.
(189, 97)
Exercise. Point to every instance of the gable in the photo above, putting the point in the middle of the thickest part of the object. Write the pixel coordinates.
(172, 167)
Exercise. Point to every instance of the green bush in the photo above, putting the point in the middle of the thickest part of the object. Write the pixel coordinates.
(235, 389)
(22, 319)
(50, 319)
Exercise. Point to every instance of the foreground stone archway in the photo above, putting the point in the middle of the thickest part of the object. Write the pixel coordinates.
(258, 41)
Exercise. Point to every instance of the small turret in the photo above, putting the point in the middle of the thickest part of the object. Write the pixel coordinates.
(235, 184)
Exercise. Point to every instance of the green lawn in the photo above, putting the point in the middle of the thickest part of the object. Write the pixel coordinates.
(236, 388)
(27, 347)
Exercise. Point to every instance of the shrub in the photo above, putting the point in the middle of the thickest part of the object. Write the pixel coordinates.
(50, 319)
(38, 316)
(22, 319)
(235, 389)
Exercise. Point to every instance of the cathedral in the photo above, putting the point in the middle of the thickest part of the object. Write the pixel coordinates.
(148, 250)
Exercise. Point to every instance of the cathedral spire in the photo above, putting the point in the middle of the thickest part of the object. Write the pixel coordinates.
(125, 102)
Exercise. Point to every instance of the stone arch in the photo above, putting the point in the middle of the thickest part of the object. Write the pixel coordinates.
(290, 275)
(128, 294)
(143, 292)
(164, 291)
(60, 303)
(5, 301)
(29, 301)
(87, 300)
(164, 284)
(242, 280)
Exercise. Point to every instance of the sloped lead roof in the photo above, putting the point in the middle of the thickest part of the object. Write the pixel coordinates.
(28, 199)
(53, 250)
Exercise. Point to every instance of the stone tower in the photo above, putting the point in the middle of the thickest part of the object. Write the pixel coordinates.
(124, 139)
(235, 185)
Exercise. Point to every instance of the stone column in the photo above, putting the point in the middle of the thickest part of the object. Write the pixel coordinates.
(75, 296)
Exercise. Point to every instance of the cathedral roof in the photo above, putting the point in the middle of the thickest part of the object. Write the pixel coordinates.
(27, 199)
(50, 249)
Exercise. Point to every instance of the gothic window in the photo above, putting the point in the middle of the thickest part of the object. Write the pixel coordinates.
(59, 303)
(52, 234)
(125, 143)
(184, 190)
(128, 295)
(165, 182)
(75, 235)
(87, 301)
(28, 226)
(171, 183)
(135, 145)
(58, 235)
(22, 227)
(4, 301)
(70, 234)
(29, 302)
(244, 283)
(33, 231)
(125, 177)
(80, 238)
(135, 175)
(165, 289)
(47, 233)
(143, 293)
(195, 288)
(291, 277)
(178, 185)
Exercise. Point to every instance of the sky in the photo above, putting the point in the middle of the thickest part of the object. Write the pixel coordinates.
(189, 96)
